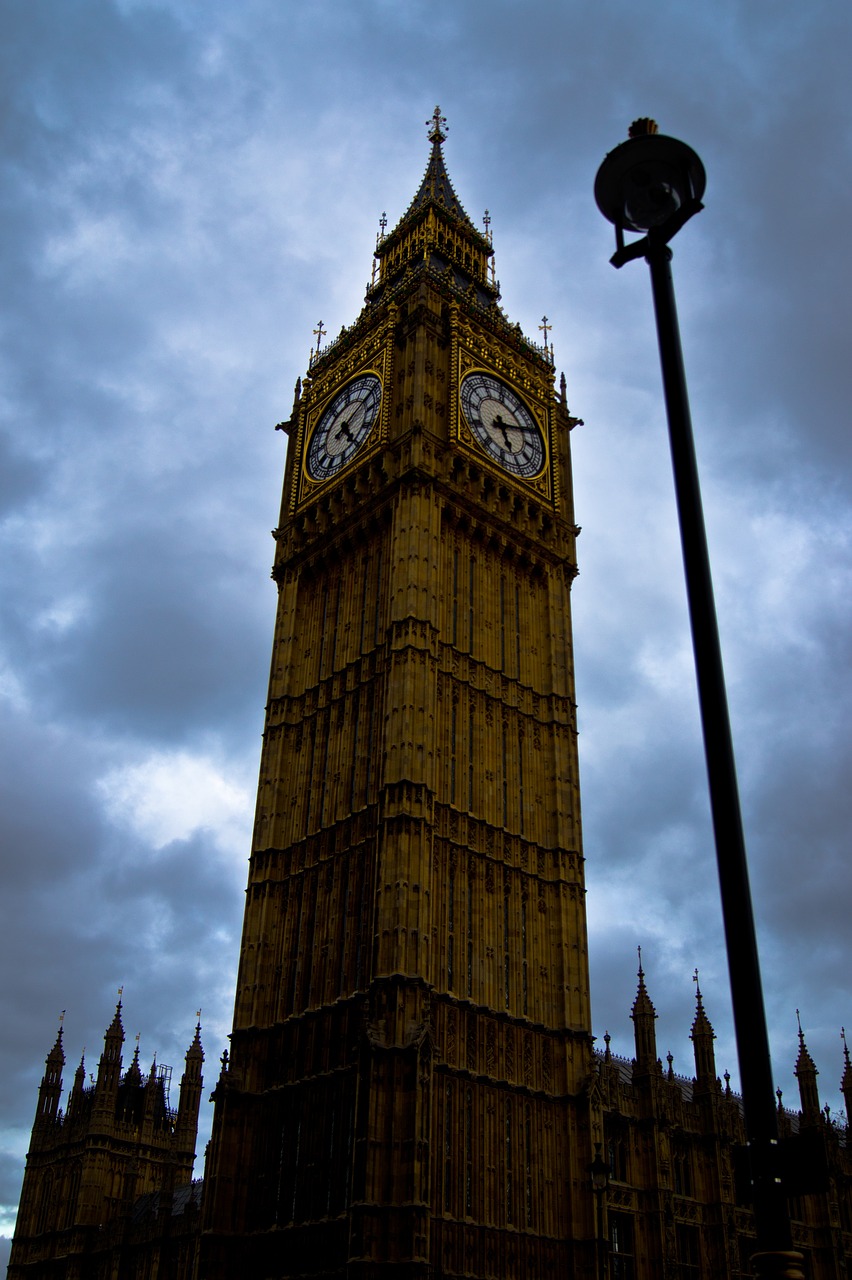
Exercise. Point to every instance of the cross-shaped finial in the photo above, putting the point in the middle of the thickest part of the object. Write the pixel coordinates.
(383, 222)
(486, 220)
(546, 326)
(319, 334)
(438, 129)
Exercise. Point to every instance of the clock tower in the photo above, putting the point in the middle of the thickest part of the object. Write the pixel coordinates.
(407, 1091)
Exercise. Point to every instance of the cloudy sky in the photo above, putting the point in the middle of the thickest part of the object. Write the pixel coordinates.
(187, 189)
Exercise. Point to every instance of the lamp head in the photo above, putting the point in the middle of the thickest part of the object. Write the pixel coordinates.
(649, 181)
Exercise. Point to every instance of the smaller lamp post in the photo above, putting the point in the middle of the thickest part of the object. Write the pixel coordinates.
(653, 184)
(599, 1173)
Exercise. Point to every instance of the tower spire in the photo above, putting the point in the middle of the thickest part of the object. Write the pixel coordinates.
(435, 233)
(702, 1036)
(846, 1080)
(50, 1089)
(644, 1016)
(806, 1073)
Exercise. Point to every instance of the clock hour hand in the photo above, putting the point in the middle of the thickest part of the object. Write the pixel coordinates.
(498, 422)
(343, 430)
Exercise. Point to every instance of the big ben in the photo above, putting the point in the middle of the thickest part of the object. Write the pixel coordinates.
(407, 1087)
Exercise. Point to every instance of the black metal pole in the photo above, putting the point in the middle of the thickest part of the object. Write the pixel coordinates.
(772, 1220)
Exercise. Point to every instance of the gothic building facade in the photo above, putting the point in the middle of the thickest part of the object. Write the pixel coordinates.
(412, 1087)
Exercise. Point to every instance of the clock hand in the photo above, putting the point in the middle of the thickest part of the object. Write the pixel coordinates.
(498, 422)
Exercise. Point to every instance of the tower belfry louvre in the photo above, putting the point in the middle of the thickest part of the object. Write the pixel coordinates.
(412, 1008)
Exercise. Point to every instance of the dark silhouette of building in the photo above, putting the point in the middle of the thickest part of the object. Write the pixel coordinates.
(412, 1087)
(111, 1176)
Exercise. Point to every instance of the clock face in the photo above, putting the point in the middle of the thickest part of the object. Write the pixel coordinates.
(502, 424)
(344, 426)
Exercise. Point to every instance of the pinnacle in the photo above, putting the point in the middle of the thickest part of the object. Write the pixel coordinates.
(643, 1004)
(116, 1027)
(804, 1062)
(436, 187)
(57, 1051)
(196, 1050)
(701, 1025)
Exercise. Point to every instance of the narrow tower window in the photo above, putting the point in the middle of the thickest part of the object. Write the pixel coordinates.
(455, 631)
(470, 933)
(470, 749)
(451, 927)
(453, 718)
(468, 1152)
(507, 959)
(448, 1150)
(524, 948)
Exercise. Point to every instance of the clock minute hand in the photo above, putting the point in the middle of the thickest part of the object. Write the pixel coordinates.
(498, 422)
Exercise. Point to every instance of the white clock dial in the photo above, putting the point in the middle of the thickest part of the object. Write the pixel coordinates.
(502, 424)
(344, 426)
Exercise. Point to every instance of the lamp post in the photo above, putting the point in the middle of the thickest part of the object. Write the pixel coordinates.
(599, 1174)
(654, 184)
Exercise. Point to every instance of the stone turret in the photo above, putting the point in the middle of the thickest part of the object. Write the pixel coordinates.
(191, 1084)
(702, 1036)
(644, 1016)
(109, 1067)
(50, 1089)
(806, 1073)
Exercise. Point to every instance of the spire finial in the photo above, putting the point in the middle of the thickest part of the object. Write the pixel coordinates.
(641, 973)
(845, 1046)
(438, 128)
(801, 1032)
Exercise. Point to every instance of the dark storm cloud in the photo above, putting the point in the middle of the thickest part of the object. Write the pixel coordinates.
(187, 191)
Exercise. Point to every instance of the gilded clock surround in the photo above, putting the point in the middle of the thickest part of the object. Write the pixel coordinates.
(370, 356)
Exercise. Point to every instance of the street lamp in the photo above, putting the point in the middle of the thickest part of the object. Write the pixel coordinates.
(599, 1173)
(654, 184)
